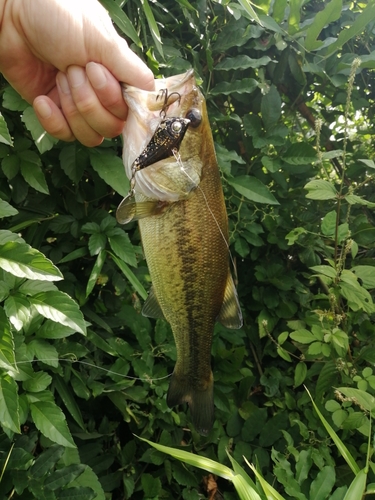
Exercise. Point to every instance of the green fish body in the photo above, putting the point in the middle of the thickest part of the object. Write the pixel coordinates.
(183, 223)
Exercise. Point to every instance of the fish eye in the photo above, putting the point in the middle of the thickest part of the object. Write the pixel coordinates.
(176, 126)
(195, 117)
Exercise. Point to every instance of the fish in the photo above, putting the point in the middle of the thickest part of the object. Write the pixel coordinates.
(177, 197)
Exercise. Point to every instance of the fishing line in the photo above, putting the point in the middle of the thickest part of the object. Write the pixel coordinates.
(177, 156)
(149, 379)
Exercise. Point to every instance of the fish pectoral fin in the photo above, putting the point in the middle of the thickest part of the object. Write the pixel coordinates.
(230, 314)
(151, 308)
(130, 210)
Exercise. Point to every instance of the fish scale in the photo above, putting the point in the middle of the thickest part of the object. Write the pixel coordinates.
(183, 224)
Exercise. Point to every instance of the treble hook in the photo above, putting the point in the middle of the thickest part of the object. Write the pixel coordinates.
(166, 96)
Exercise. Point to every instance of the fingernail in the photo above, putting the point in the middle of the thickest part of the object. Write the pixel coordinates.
(96, 75)
(76, 76)
(63, 83)
(43, 109)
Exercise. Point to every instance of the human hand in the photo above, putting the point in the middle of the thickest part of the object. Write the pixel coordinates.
(65, 57)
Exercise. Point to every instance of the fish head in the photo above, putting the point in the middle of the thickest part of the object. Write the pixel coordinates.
(176, 97)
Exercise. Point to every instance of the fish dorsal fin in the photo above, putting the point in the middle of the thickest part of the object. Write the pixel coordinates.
(130, 210)
(151, 308)
(230, 314)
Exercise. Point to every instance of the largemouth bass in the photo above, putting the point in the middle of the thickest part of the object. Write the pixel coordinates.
(176, 195)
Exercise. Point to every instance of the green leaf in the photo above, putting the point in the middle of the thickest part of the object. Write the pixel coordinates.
(294, 16)
(133, 280)
(328, 224)
(7, 355)
(366, 274)
(121, 245)
(153, 27)
(62, 477)
(339, 444)
(52, 330)
(5, 136)
(6, 210)
(320, 190)
(9, 404)
(111, 169)
(13, 101)
(26, 262)
(61, 308)
(368, 163)
(325, 270)
(300, 373)
(322, 485)
(359, 397)
(241, 62)
(89, 478)
(329, 14)
(17, 308)
(46, 461)
(44, 351)
(269, 490)
(361, 21)
(72, 160)
(245, 86)
(31, 171)
(271, 107)
(253, 189)
(43, 141)
(357, 487)
(95, 272)
(39, 382)
(358, 297)
(50, 420)
(122, 21)
(68, 400)
(246, 4)
(97, 243)
(80, 493)
(151, 486)
(300, 153)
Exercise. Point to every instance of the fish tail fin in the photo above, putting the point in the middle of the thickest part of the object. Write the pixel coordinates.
(200, 400)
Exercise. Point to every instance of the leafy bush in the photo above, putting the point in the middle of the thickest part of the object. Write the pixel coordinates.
(289, 88)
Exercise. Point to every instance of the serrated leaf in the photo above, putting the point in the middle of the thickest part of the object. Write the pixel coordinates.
(300, 153)
(50, 420)
(6, 210)
(111, 169)
(121, 245)
(77, 493)
(366, 274)
(89, 478)
(46, 460)
(36, 286)
(39, 382)
(44, 351)
(354, 199)
(26, 262)
(320, 190)
(64, 476)
(34, 176)
(95, 272)
(253, 189)
(245, 86)
(71, 161)
(302, 336)
(52, 330)
(43, 141)
(151, 485)
(5, 136)
(61, 308)
(17, 308)
(13, 101)
(9, 404)
(325, 270)
(97, 243)
(7, 355)
(322, 485)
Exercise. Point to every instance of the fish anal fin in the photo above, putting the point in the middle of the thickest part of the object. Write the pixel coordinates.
(151, 307)
(200, 400)
(230, 314)
(129, 210)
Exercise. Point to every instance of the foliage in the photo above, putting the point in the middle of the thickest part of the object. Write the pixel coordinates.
(289, 88)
